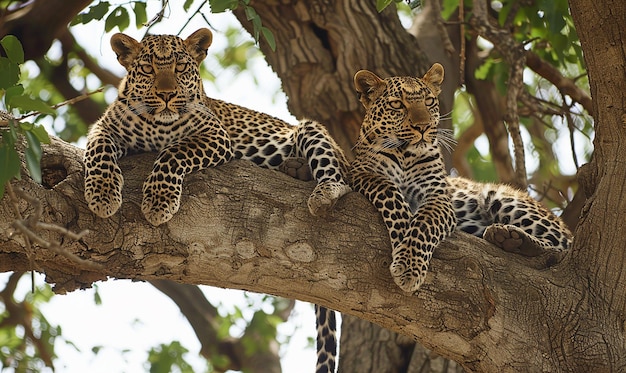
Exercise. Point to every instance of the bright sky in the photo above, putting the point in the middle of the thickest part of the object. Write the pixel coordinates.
(135, 317)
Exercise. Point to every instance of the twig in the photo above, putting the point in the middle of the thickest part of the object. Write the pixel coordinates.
(158, 17)
(514, 55)
(190, 17)
(71, 101)
(571, 127)
(26, 228)
(462, 32)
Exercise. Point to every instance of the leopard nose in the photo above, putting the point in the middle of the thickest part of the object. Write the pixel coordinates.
(166, 96)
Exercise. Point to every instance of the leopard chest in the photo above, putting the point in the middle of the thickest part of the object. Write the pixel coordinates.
(139, 133)
(415, 175)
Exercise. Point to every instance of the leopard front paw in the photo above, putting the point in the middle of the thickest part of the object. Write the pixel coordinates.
(325, 195)
(160, 202)
(407, 272)
(159, 209)
(103, 196)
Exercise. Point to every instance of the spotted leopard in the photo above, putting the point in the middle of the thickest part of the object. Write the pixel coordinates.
(162, 107)
(399, 167)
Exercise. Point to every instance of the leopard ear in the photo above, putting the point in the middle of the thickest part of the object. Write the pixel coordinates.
(434, 78)
(126, 48)
(198, 43)
(368, 86)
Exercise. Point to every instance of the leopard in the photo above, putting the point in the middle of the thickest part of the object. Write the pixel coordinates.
(399, 167)
(162, 108)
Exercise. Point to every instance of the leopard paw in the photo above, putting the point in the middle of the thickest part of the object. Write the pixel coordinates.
(325, 195)
(160, 203)
(512, 239)
(407, 277)
(103, 196)
(298, 168)
(159, 210)
(408, 272)
(103, 205)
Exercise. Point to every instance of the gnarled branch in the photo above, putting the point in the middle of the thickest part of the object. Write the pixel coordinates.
(247, 228)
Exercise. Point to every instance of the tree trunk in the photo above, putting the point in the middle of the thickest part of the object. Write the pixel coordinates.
(322, 44)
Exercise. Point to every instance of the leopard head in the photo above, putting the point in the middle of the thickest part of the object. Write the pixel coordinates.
(400, 111)
(163, 81)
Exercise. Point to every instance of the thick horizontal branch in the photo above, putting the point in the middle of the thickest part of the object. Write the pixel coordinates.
(243, 227)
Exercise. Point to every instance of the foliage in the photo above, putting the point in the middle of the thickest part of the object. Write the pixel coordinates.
(119, 15)
(165, 357)
(219, 6)
(27, 339)
(14, 98)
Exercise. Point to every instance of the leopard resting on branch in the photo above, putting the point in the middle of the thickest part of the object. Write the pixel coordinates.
(162, 107)
(399, 167)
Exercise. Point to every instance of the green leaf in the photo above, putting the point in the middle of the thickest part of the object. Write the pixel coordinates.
(9, 161)
(13, 49)
(382, 4)
(11, 92)
(95, 12)
(97, 299)
(33, 165)
(26, 103)
(448, 7)
(118, 17)
(482, 72)
(33, 143)
(141, 16)
(250, 13)
(220, 6)
(9, 73)
(41, 134)
(269, 37)
(33, 156)
(187, 5)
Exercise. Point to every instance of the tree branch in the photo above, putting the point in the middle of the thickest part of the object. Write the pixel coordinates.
(203, 317)
(243, 227)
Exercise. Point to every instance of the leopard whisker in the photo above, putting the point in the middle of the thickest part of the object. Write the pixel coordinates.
(446, 139)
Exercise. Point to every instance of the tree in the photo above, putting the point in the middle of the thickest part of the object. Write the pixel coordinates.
(485, 309)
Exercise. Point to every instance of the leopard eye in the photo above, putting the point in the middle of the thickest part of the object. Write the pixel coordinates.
(181, 66)
(146, 68)
(396, 104)
(429, 101)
